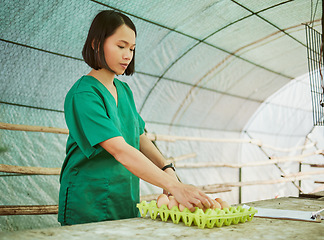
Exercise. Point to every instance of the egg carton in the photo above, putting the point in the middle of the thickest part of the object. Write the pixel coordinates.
(201, 219)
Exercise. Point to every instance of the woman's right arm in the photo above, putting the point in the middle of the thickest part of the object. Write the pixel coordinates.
(138, 164)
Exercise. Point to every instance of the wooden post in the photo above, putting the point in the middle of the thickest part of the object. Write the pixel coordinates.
(322, 36)
(240, 187)
(300, 166)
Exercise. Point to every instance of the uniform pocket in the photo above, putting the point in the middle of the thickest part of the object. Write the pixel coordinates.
(86, 202)
(124, 194)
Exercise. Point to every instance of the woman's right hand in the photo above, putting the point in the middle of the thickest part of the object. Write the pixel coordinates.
(191, 197)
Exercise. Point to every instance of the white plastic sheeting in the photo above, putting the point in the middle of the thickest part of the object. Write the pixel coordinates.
(283, 121)
(203, 69)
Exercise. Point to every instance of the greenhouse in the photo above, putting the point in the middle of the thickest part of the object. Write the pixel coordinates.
(231, 93)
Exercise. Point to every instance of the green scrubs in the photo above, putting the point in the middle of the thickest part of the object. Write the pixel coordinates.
(94, 185)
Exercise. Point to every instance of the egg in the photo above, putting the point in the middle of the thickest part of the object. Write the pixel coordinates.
(172, 202)
(181, 207)
(225, 205)
(162, 200)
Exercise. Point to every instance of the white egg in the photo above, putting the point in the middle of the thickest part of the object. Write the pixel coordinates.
(225, 205)
(162, 200)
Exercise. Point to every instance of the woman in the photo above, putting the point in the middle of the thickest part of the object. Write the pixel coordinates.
(107, 151)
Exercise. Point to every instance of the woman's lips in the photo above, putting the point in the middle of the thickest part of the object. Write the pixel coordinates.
(124, 65)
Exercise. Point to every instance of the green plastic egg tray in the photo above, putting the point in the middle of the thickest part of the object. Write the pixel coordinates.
(201, 219)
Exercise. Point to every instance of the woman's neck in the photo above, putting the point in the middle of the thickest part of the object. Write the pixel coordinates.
(104, 76)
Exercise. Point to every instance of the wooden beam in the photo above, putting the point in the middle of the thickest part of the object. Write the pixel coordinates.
(257, 182)
(53, 209)
(207, 191)
(215, 190)
(182, 157)
(317, 165)
(303, 174)
(29, 210)
(29, 170)
(29, 128)
(320, 182)
(157, 137)
(272, 160)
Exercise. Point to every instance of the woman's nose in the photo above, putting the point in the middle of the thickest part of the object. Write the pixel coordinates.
(127, 55)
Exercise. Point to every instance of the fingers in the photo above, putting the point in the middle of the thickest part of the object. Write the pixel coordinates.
(206, 203)
(190, 207)
(191, 197)
(211, 202)
(198, 203)
(202, 201)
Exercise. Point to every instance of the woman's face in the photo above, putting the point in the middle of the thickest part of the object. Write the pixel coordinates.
(119, 49)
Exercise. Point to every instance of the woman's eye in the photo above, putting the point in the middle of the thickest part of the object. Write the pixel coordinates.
(132, 50)
(121, 47)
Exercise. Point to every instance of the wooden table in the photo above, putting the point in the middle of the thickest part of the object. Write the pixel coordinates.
(146, 228)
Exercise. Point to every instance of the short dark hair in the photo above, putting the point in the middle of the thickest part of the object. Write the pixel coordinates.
(103, 26)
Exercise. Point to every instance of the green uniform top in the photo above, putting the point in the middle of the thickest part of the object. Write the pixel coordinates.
(94, 185)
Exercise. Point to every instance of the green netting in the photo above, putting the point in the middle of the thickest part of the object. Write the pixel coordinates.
(159, 56)
(202, 57)
(257, 6)
(212, 18)
(36, 78)
(48, 25)
(19, 148)
(276, 51)
(292, 13)
(239, 40)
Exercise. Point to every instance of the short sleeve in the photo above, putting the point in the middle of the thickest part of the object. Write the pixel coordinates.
(88, 121)
(141, 125)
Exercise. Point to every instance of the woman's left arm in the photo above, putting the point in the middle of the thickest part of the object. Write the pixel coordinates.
(152, 153)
